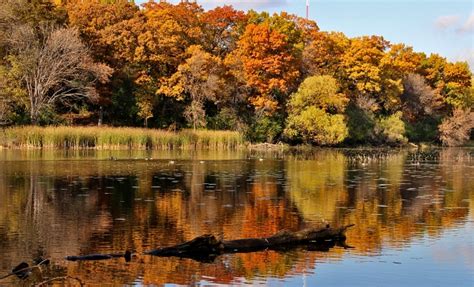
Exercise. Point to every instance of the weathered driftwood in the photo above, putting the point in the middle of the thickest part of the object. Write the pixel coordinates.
(285, 238)
(204, 248)
(207, 247)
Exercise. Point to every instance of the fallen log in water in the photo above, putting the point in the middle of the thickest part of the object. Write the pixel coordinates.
(207, 247)
(204, 248)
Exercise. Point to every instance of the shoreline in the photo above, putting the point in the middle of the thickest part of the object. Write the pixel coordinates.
(134, 138)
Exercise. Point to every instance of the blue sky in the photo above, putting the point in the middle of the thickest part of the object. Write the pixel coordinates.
(443, 26)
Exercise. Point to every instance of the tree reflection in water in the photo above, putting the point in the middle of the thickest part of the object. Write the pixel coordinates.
(78, 206)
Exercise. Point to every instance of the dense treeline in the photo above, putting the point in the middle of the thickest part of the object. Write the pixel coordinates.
(275, 77)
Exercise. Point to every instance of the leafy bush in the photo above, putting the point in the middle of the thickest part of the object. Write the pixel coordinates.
(48, 116)
(391, 129)
(265, 129)
(226, 119)
(425, 130)
(316, 126)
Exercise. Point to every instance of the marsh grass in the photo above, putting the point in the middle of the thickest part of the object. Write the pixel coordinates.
(117, 138)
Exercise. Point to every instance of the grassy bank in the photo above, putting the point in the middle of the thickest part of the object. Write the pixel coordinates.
(116, 138)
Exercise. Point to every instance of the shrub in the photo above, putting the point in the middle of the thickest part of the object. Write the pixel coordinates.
(316, 126)
(425, 130)
(456, 130)
(391, 129)
(265, 129)
(360, 124)
(226, 119)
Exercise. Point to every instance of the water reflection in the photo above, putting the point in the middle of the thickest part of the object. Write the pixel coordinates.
(58, 203)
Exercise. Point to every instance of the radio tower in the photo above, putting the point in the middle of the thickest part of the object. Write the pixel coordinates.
(307, 9)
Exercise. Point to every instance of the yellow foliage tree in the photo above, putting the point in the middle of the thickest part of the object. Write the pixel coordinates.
(198, 79)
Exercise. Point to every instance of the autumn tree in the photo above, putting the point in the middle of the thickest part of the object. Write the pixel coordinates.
(323, 54)
(456, 130)
(363, 72)
(144, 45)
(16, 13)
(458, 84)
(200, 79)
(315, 112)
(401, 60)
(451, 80)
(52, 67)
(154, 43)
(452, 83)
(418, 98)
(7, 99)
(94, 19)
(166, 33)
(43, 65)
(309, 28)
(432, 69)
(421, 105)
(270, 53)
(222, 28)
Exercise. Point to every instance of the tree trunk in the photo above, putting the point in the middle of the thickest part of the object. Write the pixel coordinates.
(34, 117)
(34, 114)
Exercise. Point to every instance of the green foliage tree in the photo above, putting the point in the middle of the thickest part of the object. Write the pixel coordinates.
(360, 122)
(315, 112)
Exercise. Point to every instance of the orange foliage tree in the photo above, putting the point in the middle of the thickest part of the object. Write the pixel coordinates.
(222, 27)
(270, 54)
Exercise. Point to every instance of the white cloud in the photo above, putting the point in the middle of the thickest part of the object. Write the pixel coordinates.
(447, 21)
(455, 23)
(466, 55)
(468, 26)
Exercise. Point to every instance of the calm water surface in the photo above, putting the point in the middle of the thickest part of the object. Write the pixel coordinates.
(414, 215)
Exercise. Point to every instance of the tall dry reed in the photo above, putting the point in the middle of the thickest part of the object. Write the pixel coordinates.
(117, 138)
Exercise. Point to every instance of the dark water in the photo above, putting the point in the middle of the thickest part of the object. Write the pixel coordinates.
(414, 215)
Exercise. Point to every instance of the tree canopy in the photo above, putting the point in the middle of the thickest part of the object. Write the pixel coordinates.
(275, 77)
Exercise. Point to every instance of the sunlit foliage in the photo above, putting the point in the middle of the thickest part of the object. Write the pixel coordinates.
(315, 112)
(241, 76)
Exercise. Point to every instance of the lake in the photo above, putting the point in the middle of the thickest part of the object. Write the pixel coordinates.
(413, 213)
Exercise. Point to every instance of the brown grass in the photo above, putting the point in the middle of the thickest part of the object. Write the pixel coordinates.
(117, 138)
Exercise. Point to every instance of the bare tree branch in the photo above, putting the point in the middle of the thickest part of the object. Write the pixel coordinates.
(54, 66)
